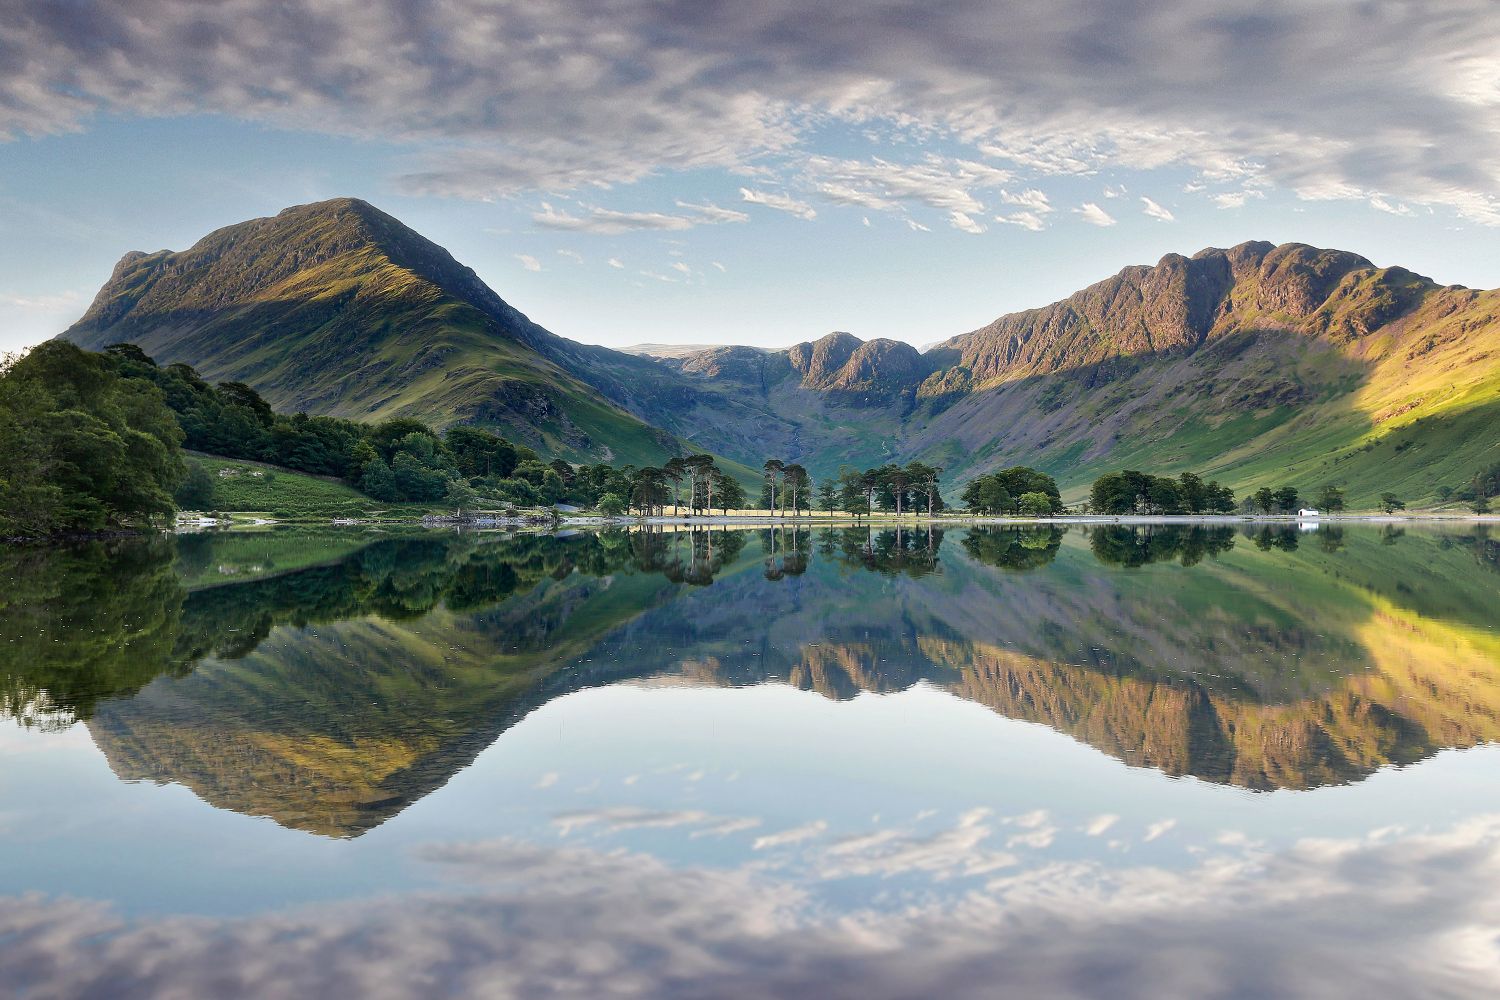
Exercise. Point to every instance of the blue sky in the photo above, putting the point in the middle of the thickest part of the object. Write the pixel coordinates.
(762, 174)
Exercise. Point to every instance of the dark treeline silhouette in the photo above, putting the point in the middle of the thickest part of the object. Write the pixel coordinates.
(787, 551)
(1284, 537)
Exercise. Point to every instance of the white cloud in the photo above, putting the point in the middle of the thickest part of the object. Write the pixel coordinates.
(780, 202)
(795, 835)
(547, 780)
(1038, 839)
(40, 303)
(1156, 211)
(963, 223)
(719, 267)
(727, 827)
(1117, 191)
(1094, 215)
(1159, 829)
(959, 851)
(685, 269)
(713, 213)
(1031, 820)
(616, 263)
(1026, 220)
(1100, 824)
(609, 222)
(529, 262)
(1381, 205)
(619, 818)
(572, 255)
(1235, 199)
(1030, 199)
(947, 184)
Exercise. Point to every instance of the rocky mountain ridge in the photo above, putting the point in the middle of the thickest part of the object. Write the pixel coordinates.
(1255, 364)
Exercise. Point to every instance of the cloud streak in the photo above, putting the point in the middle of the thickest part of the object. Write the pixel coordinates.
(609, 222)
(780, 202)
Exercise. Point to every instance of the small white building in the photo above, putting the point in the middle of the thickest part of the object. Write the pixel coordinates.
(1307, 512)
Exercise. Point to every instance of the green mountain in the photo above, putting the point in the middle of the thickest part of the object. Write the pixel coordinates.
(337, 308)
(1257, 365)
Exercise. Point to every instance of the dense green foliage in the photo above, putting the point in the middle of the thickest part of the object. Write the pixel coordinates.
(82, 448)
(395, 461)
(1017, 490)
(1139, 493)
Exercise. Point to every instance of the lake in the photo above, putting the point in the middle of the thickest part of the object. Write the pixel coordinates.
(1105, 761)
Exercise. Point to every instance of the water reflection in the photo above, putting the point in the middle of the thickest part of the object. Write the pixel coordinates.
(1400, 915)
(330, 681)
(1188, 544)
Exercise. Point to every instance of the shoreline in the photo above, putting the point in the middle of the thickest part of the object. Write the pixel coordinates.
(1081, 519)
(535, 522)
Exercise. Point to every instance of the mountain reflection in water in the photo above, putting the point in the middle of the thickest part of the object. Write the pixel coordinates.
(328, 681)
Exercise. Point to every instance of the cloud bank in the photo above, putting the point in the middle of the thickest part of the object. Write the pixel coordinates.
(1327, 99)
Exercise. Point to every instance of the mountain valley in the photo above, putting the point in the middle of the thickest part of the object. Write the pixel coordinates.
(1256, 365)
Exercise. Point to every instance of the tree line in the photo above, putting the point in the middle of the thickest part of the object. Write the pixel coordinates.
(899, 489)
(1017, 490)
(94, 441)
(1131, 492)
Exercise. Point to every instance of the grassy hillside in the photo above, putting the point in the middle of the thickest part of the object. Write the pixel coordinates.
(337, 308)
(255, 487)
(1408, 408)
(1257, 365)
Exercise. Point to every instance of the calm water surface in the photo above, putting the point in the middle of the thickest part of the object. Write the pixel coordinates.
(1113, 762)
